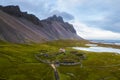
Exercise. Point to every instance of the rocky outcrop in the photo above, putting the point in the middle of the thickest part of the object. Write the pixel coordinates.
(59, 19)
(15, 11)
(31, 18)
(54, 18)
(21, 27)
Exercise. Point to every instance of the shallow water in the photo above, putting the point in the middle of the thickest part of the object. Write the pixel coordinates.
(98, 49)
(93, 45)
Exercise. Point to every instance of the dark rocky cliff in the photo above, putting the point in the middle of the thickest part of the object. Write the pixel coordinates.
(21, 27)
(15, 11)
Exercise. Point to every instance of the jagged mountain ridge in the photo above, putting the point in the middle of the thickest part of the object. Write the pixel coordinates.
(21, 27)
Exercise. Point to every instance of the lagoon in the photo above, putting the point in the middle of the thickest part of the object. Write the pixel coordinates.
(98, 49)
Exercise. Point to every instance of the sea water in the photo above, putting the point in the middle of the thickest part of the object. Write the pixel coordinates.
(115, 42)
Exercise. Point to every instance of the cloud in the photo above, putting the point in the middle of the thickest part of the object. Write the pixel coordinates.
(94, 33)
(67, 4)
(40, 8)
(65, 15)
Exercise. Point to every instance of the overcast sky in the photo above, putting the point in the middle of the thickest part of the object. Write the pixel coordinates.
(93, 19)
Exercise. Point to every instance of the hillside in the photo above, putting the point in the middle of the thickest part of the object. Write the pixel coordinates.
(20, 27)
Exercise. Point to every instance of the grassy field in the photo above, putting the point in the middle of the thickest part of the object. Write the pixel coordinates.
(97, 66)
(18, 62)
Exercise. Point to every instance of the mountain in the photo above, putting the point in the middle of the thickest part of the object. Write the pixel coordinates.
(20, 27)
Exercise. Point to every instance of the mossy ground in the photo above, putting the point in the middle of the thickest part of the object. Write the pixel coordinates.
(18, 62)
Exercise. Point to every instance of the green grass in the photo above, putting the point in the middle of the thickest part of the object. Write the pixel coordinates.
(18, 62)
(97, 66)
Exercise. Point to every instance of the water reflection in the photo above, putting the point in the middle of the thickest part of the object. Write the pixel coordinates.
(94, 48)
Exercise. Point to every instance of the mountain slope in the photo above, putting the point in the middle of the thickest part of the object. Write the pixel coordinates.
(21, 27)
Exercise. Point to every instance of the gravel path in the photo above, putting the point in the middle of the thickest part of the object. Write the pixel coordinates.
(52, 65)
(55, 72)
